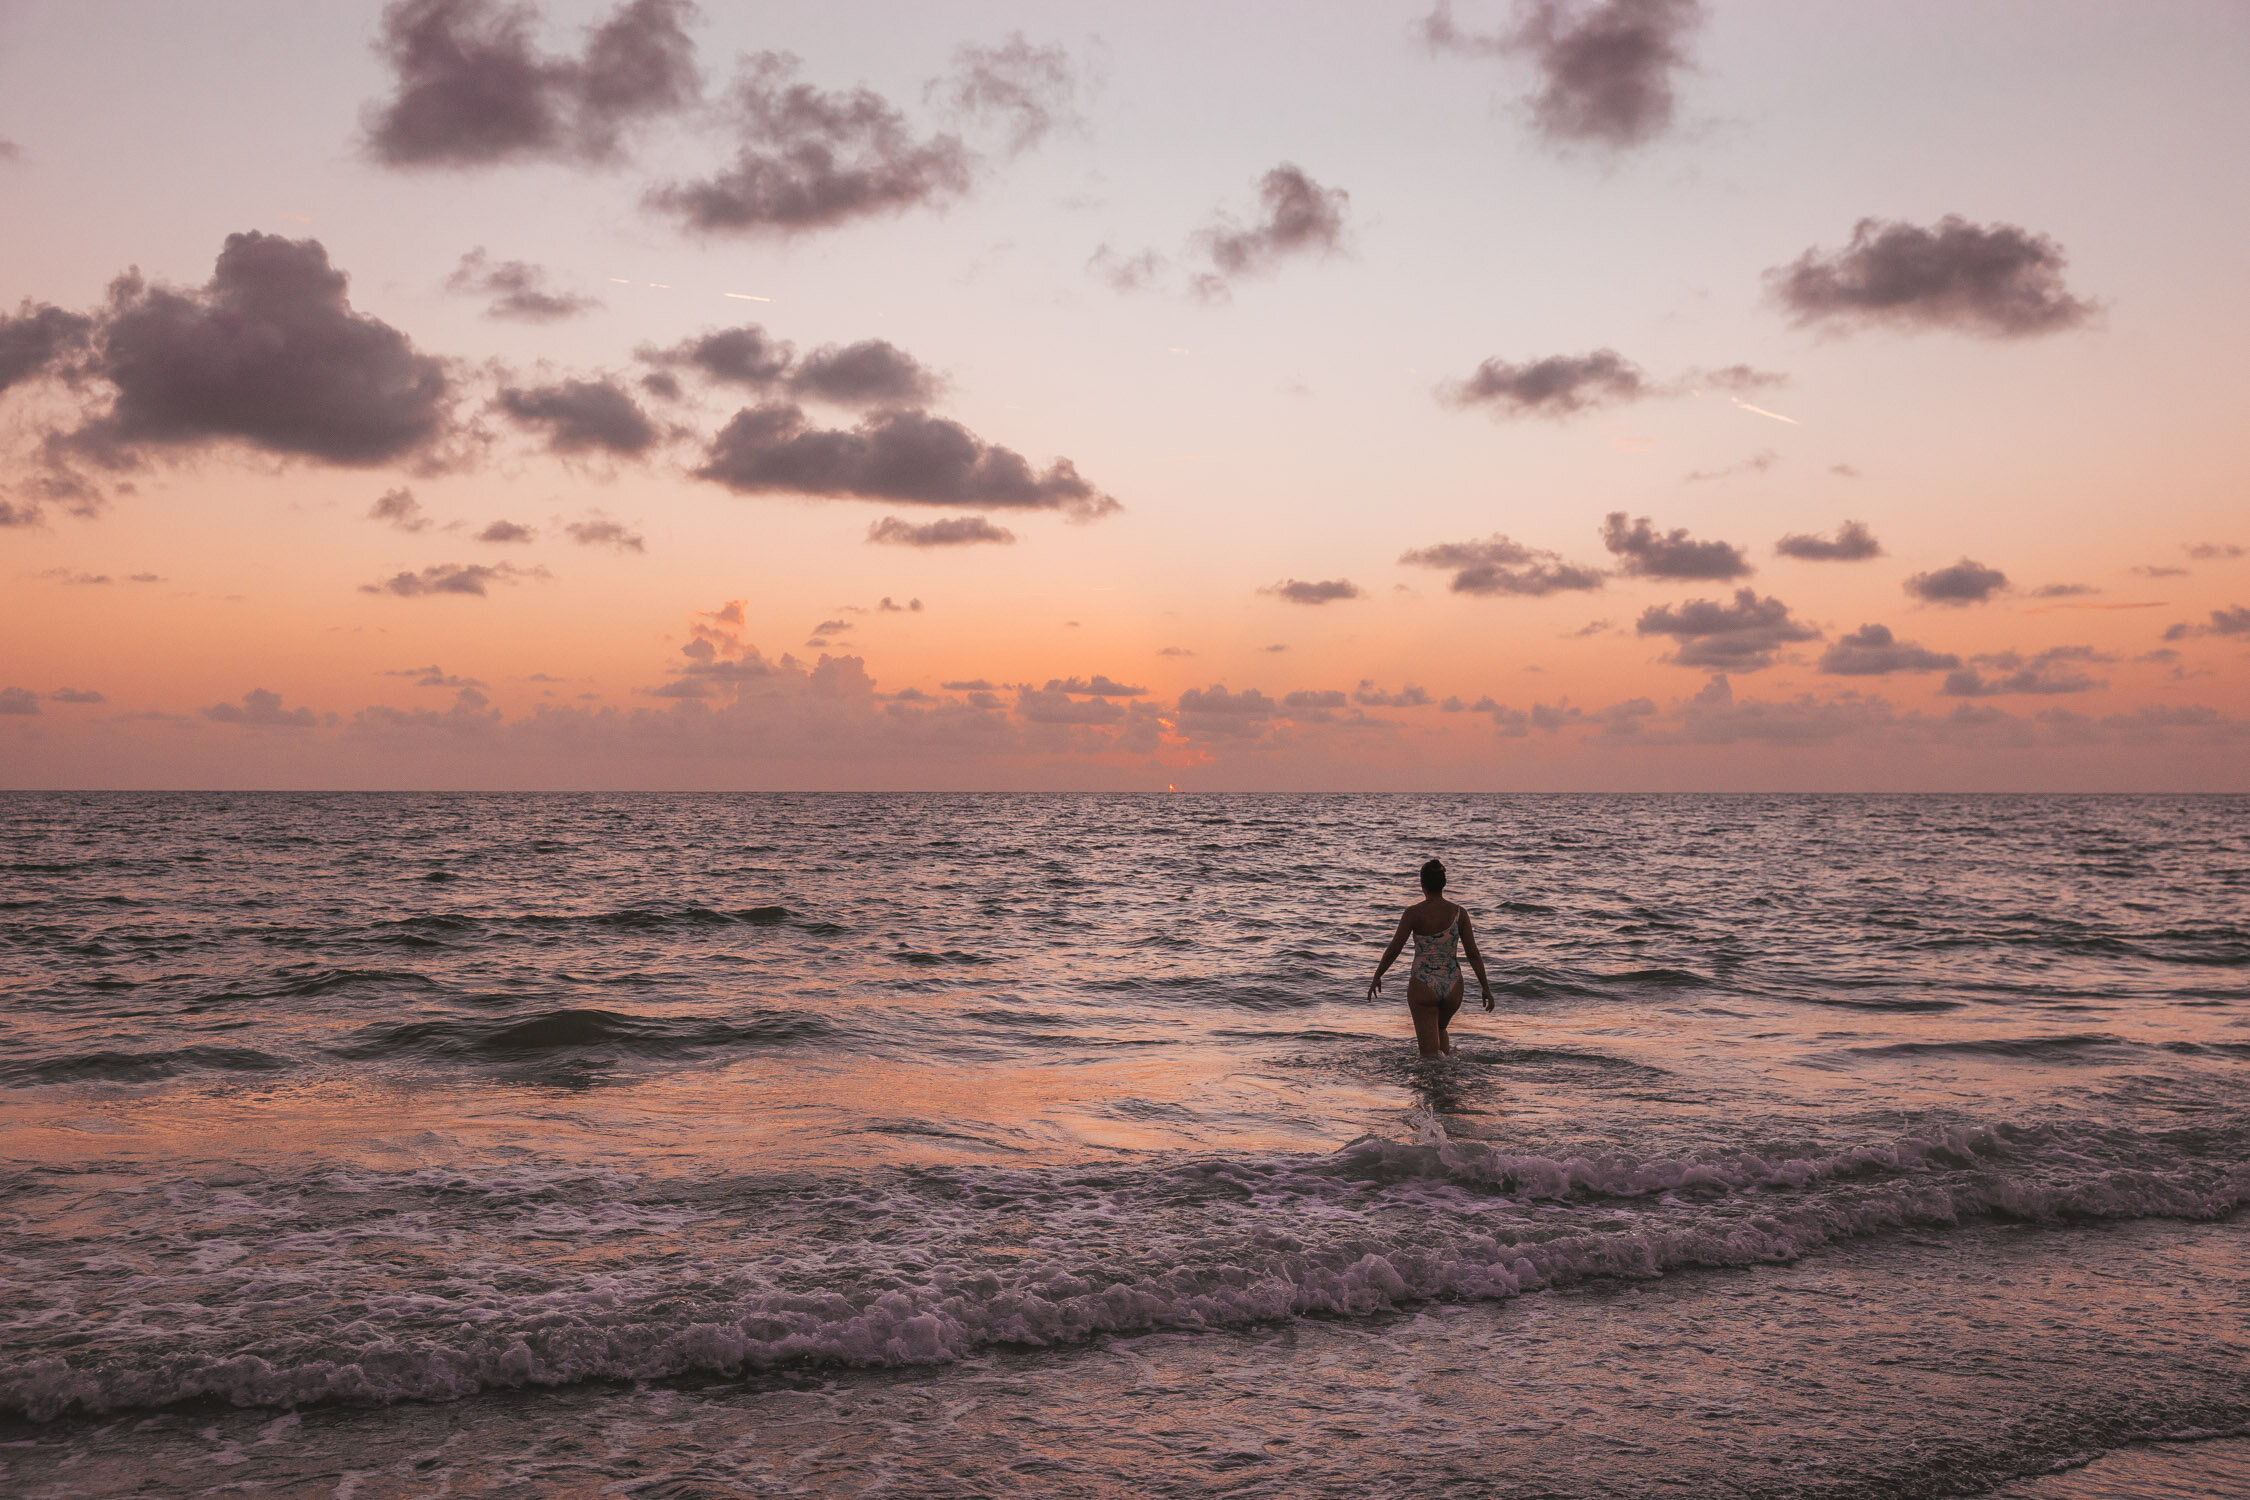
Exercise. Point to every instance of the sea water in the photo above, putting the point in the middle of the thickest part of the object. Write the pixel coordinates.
(710, 1145)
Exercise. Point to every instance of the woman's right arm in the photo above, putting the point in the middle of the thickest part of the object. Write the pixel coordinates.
(1390, 956)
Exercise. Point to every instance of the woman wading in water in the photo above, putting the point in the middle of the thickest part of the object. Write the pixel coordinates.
(1433, 984)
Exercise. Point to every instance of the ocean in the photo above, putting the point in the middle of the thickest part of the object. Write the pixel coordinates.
(698, 1145)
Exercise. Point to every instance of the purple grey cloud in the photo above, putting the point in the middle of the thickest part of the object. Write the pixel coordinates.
(810, 159)
(261, 709)
(451, 578)
(1853, 542)
(1497, 565)
(952, 531)
(1560, 385)
(1605, 66)
(872, 372)
(1998, 281)
(2051, 671)
(598, 530)
(1966, 582)
(471, 88)
(399, 508)
(892, 455)
(268, 353)
(1297, 216)
(37, 339)
(1325, 591)
(1031, 91)
(1742, 636)
(1872, 651)
(1647, 553)
(2234, 621)
(519, 291)
(582, 416)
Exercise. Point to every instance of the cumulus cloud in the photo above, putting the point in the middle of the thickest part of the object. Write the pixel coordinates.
(892, 455)
(582, 416)
(1497, 565)
(1097, 686)
(1872, 651)
(507, 531)
(451, 578)
(2235, 622)
(399, 508)
(78, 695)
(811, 159)
(1966, 582)
(1325, 591)
(37, 339)
(1560, 385)
(2215, 551)
(1646, 553)
(2159, 570)
(519, 291)
(2056, 670)
(1215, 713)
(268, 353)
(1853, 542)
(953, 531)
(1998, 281)
(869, 373)
(598, 530)
(1409, 696)
(1296, 216)
(471, 88)
(1028, 91)
(747, 356)
(261, 709)
(1605, 67)
(1742, 636)
(2063, 590)
(18, 702)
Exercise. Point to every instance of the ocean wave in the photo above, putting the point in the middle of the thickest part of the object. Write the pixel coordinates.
(2047, 1049)
(581, 1030)
(140, 1067)
(1252, 1240)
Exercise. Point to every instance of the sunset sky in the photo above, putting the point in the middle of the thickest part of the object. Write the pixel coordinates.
(1345, 396)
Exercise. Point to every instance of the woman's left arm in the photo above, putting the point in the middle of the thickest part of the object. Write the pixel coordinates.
(1390, 956)
(1476, 959)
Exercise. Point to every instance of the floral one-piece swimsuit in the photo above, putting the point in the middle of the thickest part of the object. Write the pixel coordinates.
(1435, 962)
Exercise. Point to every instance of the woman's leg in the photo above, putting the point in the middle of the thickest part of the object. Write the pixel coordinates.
(1446, 1013)
(1423, 1005)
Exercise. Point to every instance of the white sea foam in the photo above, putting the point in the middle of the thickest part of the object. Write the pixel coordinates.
(885, 1276)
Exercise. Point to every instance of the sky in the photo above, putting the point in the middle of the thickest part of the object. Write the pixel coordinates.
(1505, 395)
